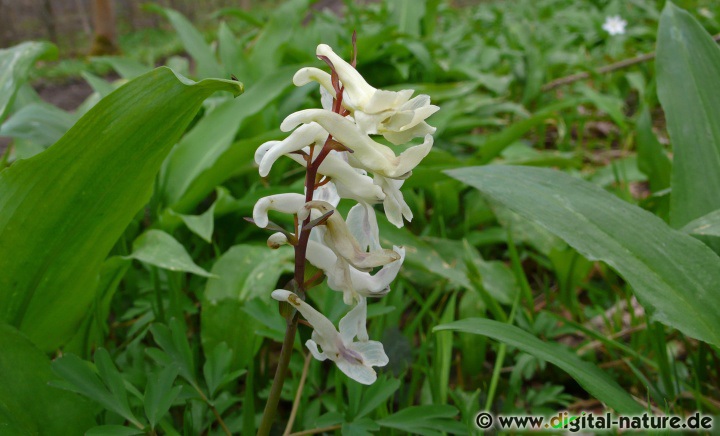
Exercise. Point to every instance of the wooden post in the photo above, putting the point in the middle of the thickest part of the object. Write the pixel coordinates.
(104, 39)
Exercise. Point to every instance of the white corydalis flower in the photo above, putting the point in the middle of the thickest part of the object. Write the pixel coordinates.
(614, 25)
(389, 113)
(285, 203)
(367, 153)
(338, 237)
(355, 359)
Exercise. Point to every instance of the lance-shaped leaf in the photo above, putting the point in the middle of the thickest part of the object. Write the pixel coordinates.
(62, 210)
(674, 276)
(15, 63)
(590, 377)
(688, 67)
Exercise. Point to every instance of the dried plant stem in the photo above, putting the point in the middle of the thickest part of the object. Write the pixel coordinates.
(602, 70)
(298, 395)
(317, 430)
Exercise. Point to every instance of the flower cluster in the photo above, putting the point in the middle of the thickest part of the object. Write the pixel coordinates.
(339, 147)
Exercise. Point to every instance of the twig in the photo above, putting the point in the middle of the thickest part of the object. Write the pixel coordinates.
(317, 430)
(602, 70)
(298, 395)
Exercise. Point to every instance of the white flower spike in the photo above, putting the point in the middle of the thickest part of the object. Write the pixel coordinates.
(355, 359)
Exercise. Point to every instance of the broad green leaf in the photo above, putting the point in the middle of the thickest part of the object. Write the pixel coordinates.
(200, 149)
(15, 64)
(28, 405)
(708, 225)
(407, 15)
(40, 123)
(193, 41)
(247, 271)
(688, 67)
(590, 377)
(157, 248)
(673, 275)
(268, 49)
(64, 209)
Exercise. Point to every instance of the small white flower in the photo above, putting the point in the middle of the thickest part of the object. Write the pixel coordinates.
(394, 203)
(391, 114)
(367, 153)
(337, 236)
(355, 359)
(614, 25)
(285, 203)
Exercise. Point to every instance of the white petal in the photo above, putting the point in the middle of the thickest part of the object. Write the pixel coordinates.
(357, 371)
(395, 206)
(327, 336)
(260, 152)
(311, 74)
(362, 223)
(368, 154)
(353, 324)
(383, 100)
(342, 242)
(301, 137)
(372, 352)
(313, 347)
(327, 193)
(379, 284)
(357, 90)
(285, 203)
(277, 240)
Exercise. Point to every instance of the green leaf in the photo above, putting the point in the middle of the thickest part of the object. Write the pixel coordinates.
(157, 248)
(651, 159)
(28, 405)
(64, 209)
(202, 225)
(205, 144)
(15, 64)
(113, 430)
(496, 143)
(173, 341)
(110, 375)
(126, 68)
(40, 123)
(160, 393)
(217, 368)
(589, 376)
(673, 275)
(375, 395)
(688, 67)
(425, 420)
(227, 321)
(79, 376)
(98, 84)
(193, 41)
(247, 271)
